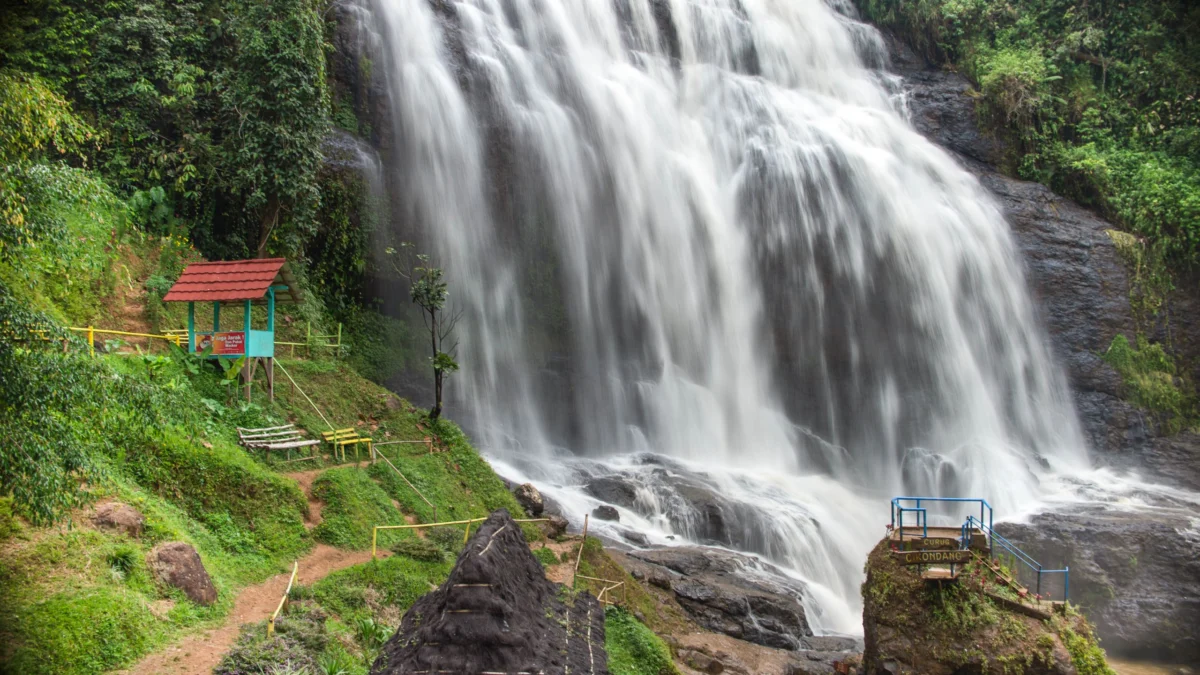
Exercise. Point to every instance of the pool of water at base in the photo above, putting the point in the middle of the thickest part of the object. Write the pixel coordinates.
(1145, 668)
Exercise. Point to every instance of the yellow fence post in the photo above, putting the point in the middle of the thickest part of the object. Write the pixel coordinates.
(283, 601)
(91, 332)
(374, 540)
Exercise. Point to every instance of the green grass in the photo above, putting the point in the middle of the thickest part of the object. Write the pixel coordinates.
(634, 649)
(396, 581)
(82, 632)
(354, 505)
(545, 556)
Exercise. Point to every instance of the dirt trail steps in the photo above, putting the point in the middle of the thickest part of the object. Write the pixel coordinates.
(199, 653)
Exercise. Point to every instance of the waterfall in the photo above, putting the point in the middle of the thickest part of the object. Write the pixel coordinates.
(700, 248)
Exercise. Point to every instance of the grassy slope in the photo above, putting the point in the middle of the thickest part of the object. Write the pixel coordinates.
(74, 599)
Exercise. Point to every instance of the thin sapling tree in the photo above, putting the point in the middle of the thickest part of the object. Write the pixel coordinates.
(429, 291)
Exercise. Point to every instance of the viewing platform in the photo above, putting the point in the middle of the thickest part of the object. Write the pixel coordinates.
(941, 552)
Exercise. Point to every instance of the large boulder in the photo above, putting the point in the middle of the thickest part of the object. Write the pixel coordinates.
(727, 592)
(914, 628)
(177, 564)
(1133, 573)
(606, 512)
(119, 517)
(497, 613)
(530, 499)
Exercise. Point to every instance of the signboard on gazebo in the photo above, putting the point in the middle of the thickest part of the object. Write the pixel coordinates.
(226, 343)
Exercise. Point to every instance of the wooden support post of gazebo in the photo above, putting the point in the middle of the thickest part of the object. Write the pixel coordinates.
(238, 282)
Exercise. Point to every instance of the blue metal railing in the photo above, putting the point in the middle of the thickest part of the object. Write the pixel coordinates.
(898, 511)
(999, 542)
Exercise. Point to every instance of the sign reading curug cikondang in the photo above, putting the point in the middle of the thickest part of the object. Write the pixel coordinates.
(933, 557)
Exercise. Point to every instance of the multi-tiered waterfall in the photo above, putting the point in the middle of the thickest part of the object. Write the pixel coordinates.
(706, 263)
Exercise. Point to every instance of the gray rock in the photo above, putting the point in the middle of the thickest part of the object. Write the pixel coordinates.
(614, 490)
(831, 643)
(712, 661)
(177, 564)
(530, 499)
(119, 517)
(555, 526)
(605, 512)
(728, 593)
(635, 538)
(1134, 575)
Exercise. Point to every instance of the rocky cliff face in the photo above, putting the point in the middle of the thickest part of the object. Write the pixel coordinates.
(1134, 574)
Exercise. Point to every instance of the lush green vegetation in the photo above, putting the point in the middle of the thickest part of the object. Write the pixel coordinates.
(1099, 99)
(1151, 381)
(354, 504)
(634, 649)
(219, 108)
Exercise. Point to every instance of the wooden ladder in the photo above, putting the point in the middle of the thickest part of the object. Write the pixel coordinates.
(1021, 591)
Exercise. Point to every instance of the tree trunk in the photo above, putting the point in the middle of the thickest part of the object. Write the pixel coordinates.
(436, 412)
(269, 217)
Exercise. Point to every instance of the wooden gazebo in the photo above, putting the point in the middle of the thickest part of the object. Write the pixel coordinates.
(230, 284)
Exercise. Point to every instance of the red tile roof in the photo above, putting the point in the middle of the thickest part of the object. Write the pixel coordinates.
(234, 280)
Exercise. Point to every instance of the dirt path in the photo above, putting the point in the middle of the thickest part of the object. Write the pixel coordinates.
(198, 654)
(305, 479)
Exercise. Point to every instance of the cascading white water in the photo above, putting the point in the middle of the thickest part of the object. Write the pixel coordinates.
(704, 229)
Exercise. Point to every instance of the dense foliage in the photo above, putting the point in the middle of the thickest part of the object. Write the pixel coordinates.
(214, 111)
(1099, 98)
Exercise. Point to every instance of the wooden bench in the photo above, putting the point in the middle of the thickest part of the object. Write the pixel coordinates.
(340, 438)
(286, 437)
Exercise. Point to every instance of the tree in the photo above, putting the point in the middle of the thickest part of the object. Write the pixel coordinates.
(276, 98)
(429, 291)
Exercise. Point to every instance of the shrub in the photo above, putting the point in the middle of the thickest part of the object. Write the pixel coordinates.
(399, 580)
(354, 505)
(419, 549)
(87, 632)
(633, 649)
(8, 520)
(545, 556)
(1148, 374)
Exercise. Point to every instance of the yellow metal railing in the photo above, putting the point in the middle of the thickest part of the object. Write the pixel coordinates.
(179, 336)
(466, 533)
(92, 331)
(282, 601)
(315, 340)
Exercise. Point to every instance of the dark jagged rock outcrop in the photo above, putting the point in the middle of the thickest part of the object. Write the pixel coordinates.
(497, 612)
(1134, 577)
(727, 592)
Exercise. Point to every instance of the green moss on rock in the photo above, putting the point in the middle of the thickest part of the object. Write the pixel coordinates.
(916, 627)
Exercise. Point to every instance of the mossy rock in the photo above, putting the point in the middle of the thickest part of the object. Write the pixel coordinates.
(913, 627)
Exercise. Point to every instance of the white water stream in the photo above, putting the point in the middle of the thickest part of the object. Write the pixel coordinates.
(704, 229)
